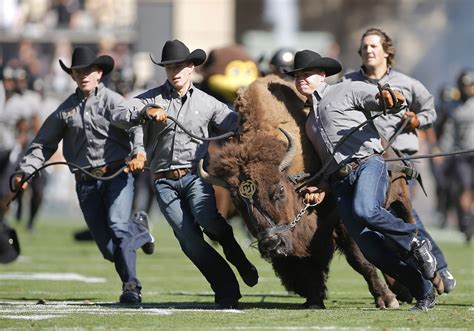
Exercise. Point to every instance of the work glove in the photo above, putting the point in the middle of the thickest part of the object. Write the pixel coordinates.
(390, 101)
(157, 114)
(414, 121)
(313, 194)
(136, 164)
(17, 184)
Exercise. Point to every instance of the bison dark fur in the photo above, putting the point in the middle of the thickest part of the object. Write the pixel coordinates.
(300, 255)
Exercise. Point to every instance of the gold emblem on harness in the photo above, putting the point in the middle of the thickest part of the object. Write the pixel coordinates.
(247, 189)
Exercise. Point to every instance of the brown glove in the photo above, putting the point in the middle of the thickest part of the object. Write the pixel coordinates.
(137, 163)
(158, 114)
(313, 195)
(17, 183)
(389, 102)
(414, 121)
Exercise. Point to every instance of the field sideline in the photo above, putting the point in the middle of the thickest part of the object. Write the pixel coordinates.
(62, 284)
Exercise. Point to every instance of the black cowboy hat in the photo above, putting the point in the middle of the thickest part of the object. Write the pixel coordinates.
(83, 57)
(175, 51)
(311, 60)
(9, 245)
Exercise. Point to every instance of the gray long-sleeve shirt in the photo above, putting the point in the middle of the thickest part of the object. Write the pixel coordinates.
(463, 125)
(336, 110)
(419, 100)
(84, 125)
(168, 146)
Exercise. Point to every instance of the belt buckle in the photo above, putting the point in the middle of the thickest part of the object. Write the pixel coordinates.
(345, 170)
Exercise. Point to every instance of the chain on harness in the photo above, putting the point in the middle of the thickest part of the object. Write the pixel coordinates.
(247, 189)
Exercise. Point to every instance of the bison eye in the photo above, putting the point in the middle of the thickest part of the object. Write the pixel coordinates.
(278, 193)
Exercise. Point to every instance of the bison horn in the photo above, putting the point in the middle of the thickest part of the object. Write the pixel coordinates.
(291, 152)
(205, 176)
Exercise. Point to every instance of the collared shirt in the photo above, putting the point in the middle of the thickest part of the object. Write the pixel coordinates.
(14, 109)
(419, 100)
(84, 125)
(168, 146)
(463, 124)
(336, 110)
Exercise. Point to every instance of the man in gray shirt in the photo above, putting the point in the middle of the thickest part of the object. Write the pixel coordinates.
(187, 202)
(350, 150)
(377, 53)
(83, 123)
(463, 139)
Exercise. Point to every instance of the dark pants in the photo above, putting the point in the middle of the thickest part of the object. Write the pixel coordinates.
(360, 197)
(188, 205)
(107, 207)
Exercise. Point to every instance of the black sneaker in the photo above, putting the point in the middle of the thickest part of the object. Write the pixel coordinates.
(426, 303)
(426, 261)
(249, 274)
(448, 280)
(130, 294)
(141, 218)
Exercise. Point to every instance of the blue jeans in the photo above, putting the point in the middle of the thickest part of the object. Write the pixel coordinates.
(188, 205)
(107, 207)
(360, 197)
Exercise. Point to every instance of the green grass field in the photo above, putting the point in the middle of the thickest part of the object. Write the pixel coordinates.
(62, 284)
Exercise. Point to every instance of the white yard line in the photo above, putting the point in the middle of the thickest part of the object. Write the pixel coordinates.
(30, 310)
(30, 317)
(50, 276)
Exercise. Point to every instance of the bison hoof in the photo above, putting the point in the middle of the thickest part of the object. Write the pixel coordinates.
(438, 283)
(313, 305)
(389, 302)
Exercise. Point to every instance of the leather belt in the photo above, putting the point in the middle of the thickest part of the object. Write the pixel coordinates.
(172, 174)
(102, 171)
(347, 168)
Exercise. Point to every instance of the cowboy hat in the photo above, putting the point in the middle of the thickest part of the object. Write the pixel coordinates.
(9, 245)
(174, 51)
(83, 57)
(311, 60)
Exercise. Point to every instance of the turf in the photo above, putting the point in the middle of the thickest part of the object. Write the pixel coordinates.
(176, 296)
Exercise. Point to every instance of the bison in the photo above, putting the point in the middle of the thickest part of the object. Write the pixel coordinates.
(299, 240)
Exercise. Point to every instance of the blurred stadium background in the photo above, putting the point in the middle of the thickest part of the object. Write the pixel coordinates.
(434, 41)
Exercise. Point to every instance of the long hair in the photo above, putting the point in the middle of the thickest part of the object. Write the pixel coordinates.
(387, 44)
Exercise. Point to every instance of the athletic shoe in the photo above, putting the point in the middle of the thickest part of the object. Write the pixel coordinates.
(426, 261)
(425, 303)
(448, 280)
(249, 274)
(141, 218)
(130, 294)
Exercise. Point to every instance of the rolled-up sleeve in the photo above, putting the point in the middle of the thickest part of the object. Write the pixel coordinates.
(44, 145)
(127, 114)
(224, 118)
(423, 104)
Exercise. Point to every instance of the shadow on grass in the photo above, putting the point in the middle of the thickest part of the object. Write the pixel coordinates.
(265, 301)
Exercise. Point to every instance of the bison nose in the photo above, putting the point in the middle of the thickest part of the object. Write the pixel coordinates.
(269, 246)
